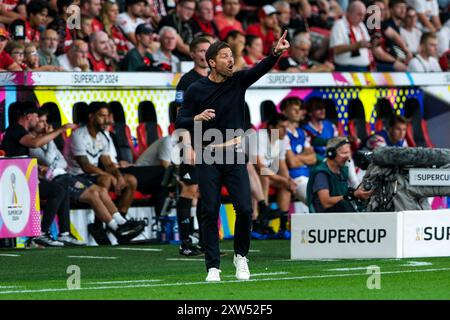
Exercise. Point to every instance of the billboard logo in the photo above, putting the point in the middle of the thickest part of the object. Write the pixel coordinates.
(344, 236)
(15, 199)
(433, 233)
(304, 236)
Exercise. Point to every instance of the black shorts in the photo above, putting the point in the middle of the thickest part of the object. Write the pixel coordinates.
(75, 184)
(188, 174)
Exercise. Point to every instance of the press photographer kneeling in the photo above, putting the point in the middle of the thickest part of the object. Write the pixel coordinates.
(328, 189)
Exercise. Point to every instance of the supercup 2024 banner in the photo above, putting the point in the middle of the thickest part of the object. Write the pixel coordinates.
(19, 198)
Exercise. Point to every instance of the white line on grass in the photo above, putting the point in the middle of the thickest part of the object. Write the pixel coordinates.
(231, 250)
(124, 281)
(176, 284)
(416, 264)
(9, 255)
(10, 287)
(260, 274)
(139, 249)
(92, 257)
(184, 259)
(347, 269)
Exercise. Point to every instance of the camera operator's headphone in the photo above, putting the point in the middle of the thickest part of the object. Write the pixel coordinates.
(331, 152)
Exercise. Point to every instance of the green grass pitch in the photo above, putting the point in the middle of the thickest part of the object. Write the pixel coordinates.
(158, 272)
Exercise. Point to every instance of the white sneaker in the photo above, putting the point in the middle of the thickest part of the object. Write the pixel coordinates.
(242, 272)
(213, 274)
(69, 240)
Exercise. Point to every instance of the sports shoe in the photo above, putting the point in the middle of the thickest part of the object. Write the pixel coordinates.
(46, 240)
(99, 234)
(213, 275)
(128, 231)
(70, 240)
(267, 213)
(242, 272)
(190, 251)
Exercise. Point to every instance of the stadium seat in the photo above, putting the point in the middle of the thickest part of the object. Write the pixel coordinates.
(384, 114)
(266, 109)
(80, 113)
(172, 116)
(357, 126)
(148, 129)
(417, 132)
(122, 133)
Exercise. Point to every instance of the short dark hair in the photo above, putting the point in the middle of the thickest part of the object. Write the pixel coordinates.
(393, 3)
(214, 49)
(426, 36)
(314, 103)
(198, 40)
(249, 39)
(289, 101)
(36, 6)
(275, 119)
(95, 106)
(233, 34)
(63, 3)
(397, 119)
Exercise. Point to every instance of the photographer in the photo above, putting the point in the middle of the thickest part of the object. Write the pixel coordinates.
(327, 189)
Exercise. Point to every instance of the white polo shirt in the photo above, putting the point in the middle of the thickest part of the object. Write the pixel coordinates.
(340, 35)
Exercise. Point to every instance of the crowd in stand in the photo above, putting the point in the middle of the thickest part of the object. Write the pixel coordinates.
(154, 35)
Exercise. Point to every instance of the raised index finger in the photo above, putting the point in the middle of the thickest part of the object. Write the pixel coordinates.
(284, 35)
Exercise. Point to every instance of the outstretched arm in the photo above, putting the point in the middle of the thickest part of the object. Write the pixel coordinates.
(252, 75)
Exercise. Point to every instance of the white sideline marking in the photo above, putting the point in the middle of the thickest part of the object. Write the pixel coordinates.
(9, 255)
(210, 283)
(92, 257)
(347, 269)
(260, 274)
(139, 249)
(416, 264)
(231, 250)
(10, 287)
(184, 259)
(123, 281)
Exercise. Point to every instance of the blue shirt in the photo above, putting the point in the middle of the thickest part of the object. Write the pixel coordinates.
(297, 146)
(328, 131)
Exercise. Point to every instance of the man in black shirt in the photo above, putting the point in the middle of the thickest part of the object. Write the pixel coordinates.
(218, 102)
(16, 142)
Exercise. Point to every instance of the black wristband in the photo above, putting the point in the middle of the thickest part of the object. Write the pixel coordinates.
(349, 196)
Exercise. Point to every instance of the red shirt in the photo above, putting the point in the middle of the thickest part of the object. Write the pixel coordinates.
(31, 34)
(97, 25)
(67, 40)
(98, 65)
(119, 40)
(221, 22)
(268, 39)
(10, 4)
(5, 60)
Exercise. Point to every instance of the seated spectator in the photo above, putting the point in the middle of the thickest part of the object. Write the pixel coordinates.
(7, 63)
(236, 40)
(37, 15)
(327, 12)
(129, 20)
(79, 188)
(61, 25)
(85, 30)
(298, 59)
(157, 9)
(396, 132)
(164, 57)
(253, 50)
(409, 31)
(428, 14)
(88, 150)
(109, 14)
(350, 41)
(327, 189)
(267, 27)
(47, 49)
(284, 17)
(203, 20)
(389, 50)
(227, 18)
(99, 50)
(91, 9)
(271, 165)
(301, 155)
(17, 52)
(11, 10)
(139, 58)
(301, 12)
(16, 142)
(181, 20)
(76, 58)
(426, 60)
(32, 59)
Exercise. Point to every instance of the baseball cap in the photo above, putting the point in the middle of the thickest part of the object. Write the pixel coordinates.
(4, 33)
(267, 10)
(145, 28)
